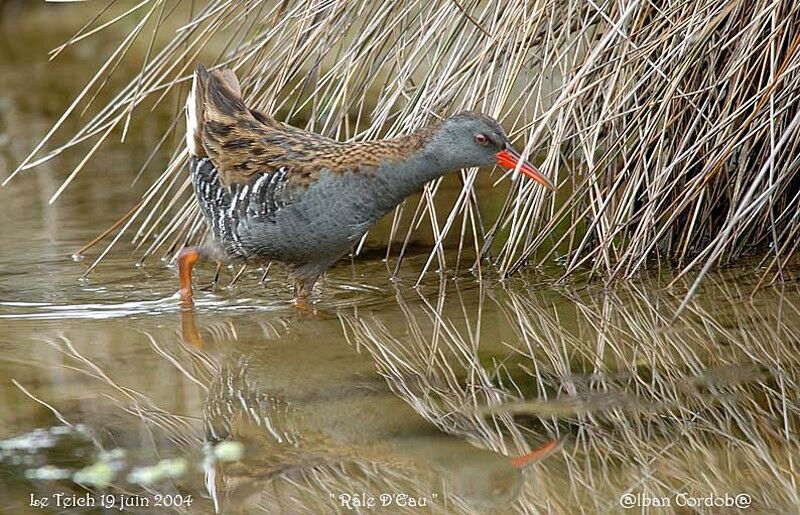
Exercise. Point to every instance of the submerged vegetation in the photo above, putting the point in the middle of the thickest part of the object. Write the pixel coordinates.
(673, 129)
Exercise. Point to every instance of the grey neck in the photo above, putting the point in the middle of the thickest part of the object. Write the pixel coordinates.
(400, 179)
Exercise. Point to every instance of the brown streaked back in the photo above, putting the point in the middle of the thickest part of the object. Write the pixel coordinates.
(242, 142)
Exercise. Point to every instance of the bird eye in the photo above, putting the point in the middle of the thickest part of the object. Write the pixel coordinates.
(481, 139)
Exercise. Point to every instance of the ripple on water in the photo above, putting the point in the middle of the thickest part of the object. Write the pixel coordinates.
(99, 311)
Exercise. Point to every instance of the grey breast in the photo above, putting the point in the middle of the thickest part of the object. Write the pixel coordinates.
(319, 223)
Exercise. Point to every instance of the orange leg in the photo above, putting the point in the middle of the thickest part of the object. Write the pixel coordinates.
(186, 261)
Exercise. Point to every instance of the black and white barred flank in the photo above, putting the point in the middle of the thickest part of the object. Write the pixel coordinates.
(223, 208)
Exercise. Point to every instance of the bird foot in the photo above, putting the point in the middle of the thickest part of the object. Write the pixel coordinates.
(304, 308)
(187, 298)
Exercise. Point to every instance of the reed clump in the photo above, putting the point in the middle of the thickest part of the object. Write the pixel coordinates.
(672, 128)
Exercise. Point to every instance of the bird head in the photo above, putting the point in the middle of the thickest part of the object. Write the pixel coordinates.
(472, 139)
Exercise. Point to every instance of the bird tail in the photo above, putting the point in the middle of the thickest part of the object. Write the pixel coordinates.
(195, 103)
(214, 103)
(215, 96)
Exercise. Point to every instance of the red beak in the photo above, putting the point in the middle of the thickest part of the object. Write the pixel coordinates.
(509, 158)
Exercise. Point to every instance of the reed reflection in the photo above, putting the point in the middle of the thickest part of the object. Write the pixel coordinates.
(450, 391)
(320, 424)
(699, 406)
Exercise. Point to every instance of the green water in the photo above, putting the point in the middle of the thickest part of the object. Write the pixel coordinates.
(390, 394)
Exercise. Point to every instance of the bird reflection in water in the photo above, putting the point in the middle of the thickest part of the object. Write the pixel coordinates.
(320, 426)
(607, 368)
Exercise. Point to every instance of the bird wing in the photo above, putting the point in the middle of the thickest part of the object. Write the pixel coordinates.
(243, 142)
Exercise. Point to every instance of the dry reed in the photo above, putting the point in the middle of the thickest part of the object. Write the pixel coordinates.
(672, 127)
